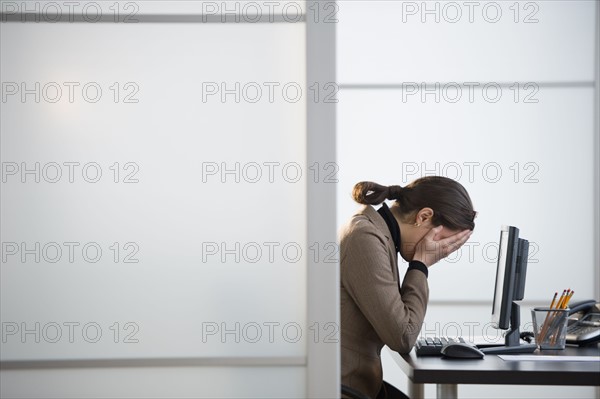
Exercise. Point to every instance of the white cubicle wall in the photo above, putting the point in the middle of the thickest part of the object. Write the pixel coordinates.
(156, 233)
(501, 96)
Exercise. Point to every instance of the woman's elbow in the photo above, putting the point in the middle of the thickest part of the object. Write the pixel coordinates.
(402, 344)
(405, 340)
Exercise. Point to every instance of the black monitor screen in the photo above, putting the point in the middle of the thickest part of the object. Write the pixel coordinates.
(505, 277)
(510, 288)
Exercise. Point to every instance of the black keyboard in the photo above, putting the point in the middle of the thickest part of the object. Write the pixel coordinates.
(432, 346)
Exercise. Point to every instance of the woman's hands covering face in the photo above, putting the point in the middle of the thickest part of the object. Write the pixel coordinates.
(432, 247)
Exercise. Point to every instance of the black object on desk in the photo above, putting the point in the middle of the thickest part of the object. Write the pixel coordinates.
(432, 346)
(461, 350)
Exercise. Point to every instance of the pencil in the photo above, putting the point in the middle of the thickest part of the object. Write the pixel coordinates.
(566, 298)
(553, 300)
(566, 304)
(549, 316)
(561, 299)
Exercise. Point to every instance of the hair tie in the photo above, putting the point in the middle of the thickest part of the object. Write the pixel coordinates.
(394, 192)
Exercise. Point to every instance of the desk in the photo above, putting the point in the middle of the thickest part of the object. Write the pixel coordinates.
(447, 373)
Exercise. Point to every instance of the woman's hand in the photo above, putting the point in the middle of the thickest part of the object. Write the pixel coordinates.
(431, 249)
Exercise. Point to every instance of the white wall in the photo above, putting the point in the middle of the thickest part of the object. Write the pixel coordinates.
(505, 104)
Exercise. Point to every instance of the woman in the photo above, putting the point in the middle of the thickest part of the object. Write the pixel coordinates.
(430, 218)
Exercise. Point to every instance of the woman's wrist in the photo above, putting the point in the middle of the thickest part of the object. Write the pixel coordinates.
(418, 265)
(422, 258)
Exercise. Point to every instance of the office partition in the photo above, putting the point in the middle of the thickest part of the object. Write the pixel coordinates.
(157, 237)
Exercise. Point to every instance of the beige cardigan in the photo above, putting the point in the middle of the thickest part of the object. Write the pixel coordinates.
(374, 312)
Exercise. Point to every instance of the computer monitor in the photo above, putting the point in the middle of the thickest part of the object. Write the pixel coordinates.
(511, 272)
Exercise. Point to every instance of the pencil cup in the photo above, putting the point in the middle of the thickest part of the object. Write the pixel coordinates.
(550, 327)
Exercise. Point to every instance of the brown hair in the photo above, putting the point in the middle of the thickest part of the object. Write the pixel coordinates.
(451, 204)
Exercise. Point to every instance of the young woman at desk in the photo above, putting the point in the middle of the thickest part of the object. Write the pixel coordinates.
(430, 218)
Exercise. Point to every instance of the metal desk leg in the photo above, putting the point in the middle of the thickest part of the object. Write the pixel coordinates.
(446, 391)
(415, 391)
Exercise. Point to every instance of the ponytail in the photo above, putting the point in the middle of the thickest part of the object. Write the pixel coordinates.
(369, 193)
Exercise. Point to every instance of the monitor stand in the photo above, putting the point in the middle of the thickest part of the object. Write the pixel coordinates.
(512, 337)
